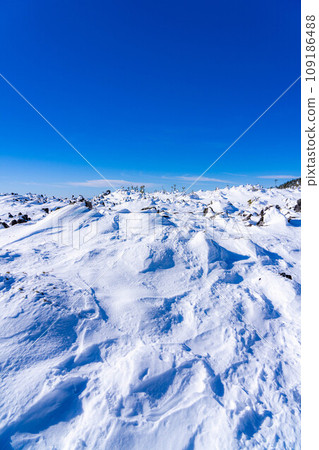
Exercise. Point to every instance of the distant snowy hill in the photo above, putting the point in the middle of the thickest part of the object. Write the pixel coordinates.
(151, 321)
(291, 184)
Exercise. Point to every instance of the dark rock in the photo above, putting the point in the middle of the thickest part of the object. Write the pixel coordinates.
(261, 220)
(150, 208)
(297, 208)
(107, 192)
(207, 210)
(285, 275)
(5, 225)
(10, 216)
(23, 219)
(88, 204)
(46, 210)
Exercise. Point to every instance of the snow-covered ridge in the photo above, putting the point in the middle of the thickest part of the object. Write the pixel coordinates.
(160, 320)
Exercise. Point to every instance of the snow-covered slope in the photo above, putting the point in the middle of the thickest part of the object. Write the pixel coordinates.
(161, 321)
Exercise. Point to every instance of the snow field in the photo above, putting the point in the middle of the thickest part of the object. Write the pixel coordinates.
(160, 320)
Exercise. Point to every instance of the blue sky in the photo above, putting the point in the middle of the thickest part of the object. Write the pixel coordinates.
(149, 92)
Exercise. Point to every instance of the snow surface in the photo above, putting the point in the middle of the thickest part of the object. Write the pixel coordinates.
(156, 321)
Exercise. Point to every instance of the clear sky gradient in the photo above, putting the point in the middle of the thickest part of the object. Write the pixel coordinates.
(150, 92)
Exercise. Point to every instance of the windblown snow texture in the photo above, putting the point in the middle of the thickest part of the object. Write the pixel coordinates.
(161, 321)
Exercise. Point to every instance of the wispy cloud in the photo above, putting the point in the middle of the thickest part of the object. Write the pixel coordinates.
(192, 178)
(273, 177)
(104, 183)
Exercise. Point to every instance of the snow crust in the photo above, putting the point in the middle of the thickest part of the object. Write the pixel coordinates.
(161, 321)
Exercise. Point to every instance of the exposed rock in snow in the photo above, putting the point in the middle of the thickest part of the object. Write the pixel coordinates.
(297, 208)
